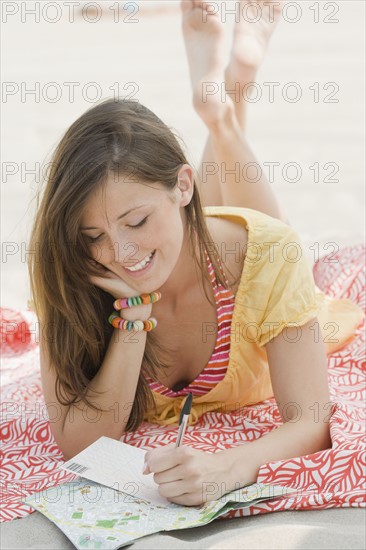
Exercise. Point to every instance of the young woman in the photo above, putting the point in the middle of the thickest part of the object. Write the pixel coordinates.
(224, 305)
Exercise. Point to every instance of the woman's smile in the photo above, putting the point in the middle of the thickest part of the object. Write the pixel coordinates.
(142, 267)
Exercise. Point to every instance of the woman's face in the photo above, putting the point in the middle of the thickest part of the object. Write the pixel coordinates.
(126, 222)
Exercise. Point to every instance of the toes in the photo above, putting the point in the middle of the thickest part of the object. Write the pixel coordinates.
(189, 5)
(203, 5)
(186, 5)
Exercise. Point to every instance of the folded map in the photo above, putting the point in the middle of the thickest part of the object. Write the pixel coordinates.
(113, 503)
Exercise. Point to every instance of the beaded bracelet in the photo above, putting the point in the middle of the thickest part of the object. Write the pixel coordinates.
(137, 325)
(123, 303)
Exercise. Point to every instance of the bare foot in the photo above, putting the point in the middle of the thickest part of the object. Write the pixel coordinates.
(251, 38)
(204, 36)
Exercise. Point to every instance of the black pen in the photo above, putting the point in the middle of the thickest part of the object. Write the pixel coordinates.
(183, 419)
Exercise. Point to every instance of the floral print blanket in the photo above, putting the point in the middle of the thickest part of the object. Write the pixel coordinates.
(333, 478)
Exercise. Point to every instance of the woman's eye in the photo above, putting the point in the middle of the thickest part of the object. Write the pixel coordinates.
(142, 222)
(93, 239)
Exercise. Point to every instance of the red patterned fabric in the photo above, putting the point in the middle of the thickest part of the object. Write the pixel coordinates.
(333, 478)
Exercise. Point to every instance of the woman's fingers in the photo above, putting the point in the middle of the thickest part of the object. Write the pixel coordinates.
(111, 283)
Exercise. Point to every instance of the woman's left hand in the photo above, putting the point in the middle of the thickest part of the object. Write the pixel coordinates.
(187, 476)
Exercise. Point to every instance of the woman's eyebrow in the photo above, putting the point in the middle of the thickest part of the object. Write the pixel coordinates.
(119, 217)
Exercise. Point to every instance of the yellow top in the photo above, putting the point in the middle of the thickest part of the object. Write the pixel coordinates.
(276, 290)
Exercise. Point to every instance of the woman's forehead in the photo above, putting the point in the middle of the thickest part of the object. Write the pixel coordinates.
(116, 199)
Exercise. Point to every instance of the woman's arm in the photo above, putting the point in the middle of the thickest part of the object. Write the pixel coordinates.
(298, 368)
(75, 427)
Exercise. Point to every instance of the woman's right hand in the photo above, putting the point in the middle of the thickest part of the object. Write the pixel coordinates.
(110, 282)
(114, 285)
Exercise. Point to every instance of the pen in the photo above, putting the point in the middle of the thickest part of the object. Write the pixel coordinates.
(183, 419)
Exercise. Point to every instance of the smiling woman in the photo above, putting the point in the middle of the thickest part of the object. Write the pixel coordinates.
(237, 317)
(91, 179)
(124, 240)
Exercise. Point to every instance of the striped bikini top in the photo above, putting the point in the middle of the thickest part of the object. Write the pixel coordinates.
(215, 369)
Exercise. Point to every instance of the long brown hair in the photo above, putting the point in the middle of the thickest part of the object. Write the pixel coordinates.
(115, 136)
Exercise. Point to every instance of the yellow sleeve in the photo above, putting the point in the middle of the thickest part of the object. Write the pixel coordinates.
(280, 290)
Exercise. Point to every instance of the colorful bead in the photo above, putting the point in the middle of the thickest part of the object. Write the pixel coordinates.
(150, 324)
(123, 303)
(145, 298)
(120, 303)
(111, 317)
(138, 325)
(153, 322)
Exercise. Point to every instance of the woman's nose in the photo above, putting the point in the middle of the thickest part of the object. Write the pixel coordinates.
(122, 252)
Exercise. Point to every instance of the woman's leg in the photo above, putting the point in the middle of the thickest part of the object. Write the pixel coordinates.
(242, 186)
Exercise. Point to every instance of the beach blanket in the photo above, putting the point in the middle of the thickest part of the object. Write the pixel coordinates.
(333, 478)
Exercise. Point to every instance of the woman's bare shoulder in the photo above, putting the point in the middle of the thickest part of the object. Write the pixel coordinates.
(231, 238)
(228, 231)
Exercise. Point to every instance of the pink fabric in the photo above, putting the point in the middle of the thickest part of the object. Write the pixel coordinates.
(333, 478)
(216, 368)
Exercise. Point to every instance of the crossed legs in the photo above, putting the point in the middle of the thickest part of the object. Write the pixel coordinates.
(224, 178)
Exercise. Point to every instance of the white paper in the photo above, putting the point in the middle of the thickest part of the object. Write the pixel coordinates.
(119, 466)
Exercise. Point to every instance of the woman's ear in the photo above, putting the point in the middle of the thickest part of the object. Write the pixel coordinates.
(185, 184)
